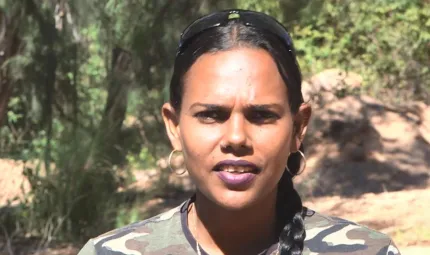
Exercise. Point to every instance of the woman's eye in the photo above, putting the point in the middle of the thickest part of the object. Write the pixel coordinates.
(211, 116)
(261, 117)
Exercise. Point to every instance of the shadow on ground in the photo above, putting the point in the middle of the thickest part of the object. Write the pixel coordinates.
(356, 147)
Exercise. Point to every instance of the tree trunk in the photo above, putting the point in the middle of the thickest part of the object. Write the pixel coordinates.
(9, 45)
(49, 37)
(115, 109)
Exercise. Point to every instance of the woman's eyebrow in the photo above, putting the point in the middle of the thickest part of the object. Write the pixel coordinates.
(254, 107)
(210, 106)
(265, 107)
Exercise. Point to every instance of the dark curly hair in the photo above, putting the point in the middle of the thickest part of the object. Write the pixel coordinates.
(235, 34)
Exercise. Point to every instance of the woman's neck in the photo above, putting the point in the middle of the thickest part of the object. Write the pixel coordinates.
(221, 231)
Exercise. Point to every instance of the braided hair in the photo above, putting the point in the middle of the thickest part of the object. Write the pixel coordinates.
(235, 34)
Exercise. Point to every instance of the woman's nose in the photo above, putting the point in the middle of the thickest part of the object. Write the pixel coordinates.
(235, 135)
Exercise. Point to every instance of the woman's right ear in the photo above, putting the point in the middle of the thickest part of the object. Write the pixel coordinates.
(171, 122)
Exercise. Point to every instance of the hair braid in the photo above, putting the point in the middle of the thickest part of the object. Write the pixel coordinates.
(290, 211)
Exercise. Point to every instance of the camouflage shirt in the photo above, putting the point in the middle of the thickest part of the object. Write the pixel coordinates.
(168, 234)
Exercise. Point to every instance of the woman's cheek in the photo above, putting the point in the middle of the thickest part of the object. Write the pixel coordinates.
(202, 135)
(200, 141)
(272, 142)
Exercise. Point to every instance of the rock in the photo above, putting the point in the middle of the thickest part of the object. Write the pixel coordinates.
(326, 86)
(357, 145)
(339, 120)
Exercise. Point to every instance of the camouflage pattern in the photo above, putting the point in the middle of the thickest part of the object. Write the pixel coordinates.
(331, 235)
(167, 234)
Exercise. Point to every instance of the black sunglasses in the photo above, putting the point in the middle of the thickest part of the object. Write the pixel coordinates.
(248, 18)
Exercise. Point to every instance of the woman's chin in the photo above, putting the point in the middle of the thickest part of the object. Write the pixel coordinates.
(235, 200)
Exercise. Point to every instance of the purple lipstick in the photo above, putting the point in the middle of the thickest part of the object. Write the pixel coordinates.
(236, 173)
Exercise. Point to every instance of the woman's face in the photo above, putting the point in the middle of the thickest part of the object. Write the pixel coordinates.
(235, 127)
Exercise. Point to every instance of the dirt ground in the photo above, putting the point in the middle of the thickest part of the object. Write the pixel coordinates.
(13, 183)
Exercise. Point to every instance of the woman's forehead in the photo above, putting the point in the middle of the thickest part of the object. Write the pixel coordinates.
(245, 73)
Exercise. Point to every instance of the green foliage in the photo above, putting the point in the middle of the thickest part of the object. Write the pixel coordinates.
(143, 160)
(385, 42)
(270, 7)
(75, 200)
(127, 216)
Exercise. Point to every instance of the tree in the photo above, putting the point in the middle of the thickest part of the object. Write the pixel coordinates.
(9, 47)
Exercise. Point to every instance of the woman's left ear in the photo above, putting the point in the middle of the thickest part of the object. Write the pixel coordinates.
(301, 121)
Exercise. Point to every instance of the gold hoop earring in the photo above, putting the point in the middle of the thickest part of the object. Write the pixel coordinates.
(302, 169)
(170, 163)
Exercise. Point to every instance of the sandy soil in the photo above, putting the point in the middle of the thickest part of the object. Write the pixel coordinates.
(12, 182)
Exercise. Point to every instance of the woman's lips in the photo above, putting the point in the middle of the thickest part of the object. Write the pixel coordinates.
(236, 180)
(236, 173)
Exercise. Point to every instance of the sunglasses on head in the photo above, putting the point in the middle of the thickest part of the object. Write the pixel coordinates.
(247, 18)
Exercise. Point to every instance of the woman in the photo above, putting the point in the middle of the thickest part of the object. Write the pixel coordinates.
(237, 114)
